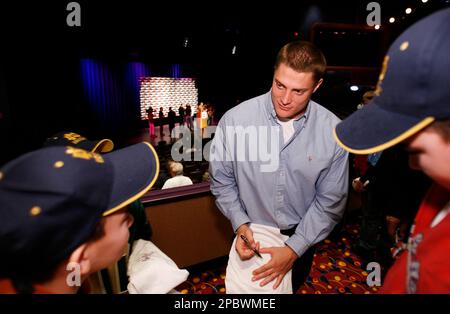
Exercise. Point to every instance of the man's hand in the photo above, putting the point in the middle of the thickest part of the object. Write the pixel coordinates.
(242, 249)
(281, 262)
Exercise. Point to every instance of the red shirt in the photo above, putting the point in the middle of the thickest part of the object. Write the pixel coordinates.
(427, 270)
(6, 287)
(360, 164)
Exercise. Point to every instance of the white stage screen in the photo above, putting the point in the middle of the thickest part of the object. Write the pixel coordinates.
(157, 92)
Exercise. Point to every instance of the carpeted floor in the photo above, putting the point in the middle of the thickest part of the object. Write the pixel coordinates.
(336, 269)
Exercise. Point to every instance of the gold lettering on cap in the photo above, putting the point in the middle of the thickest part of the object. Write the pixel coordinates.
(404, 46)
(36, 210)
(74, 137)
(84, 154)
(59, 164)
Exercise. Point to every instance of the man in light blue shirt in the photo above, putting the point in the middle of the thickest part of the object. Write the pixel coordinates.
(274, 162)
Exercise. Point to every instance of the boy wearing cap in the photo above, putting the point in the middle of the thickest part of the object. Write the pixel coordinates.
(412, 107)
(141, 227)
(63, 213)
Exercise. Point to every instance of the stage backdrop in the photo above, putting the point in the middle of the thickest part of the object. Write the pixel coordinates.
(165, 92)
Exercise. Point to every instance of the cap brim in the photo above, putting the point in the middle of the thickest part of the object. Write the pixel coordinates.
(373, 129)
(136, 169)
(103, 146)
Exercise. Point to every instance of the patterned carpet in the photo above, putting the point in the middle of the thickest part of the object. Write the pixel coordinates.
(335, 270)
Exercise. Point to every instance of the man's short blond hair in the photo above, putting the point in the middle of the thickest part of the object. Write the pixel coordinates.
(302, 56)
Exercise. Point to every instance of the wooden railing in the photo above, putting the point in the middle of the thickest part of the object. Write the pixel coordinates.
(187, 225)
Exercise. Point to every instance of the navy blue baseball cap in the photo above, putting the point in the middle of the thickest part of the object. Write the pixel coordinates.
(52, 199)
(413, 89)
(76, 140)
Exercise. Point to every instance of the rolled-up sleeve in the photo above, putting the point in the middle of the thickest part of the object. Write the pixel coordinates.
(223, 182)
(327, 208)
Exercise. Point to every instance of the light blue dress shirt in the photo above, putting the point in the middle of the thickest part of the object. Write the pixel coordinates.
(307, 186)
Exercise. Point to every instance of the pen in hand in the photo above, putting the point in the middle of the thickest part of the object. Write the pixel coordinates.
(249, 245)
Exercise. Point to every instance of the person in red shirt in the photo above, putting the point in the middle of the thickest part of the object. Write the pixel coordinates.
(412, 108)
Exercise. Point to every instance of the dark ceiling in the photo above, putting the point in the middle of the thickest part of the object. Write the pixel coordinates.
(174, 30)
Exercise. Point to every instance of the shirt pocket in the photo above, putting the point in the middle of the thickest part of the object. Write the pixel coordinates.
(311, 167)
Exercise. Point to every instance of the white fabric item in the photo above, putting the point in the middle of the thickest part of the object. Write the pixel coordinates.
(238, 277)
(288, 129)
(176, 181)
(152, 271)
